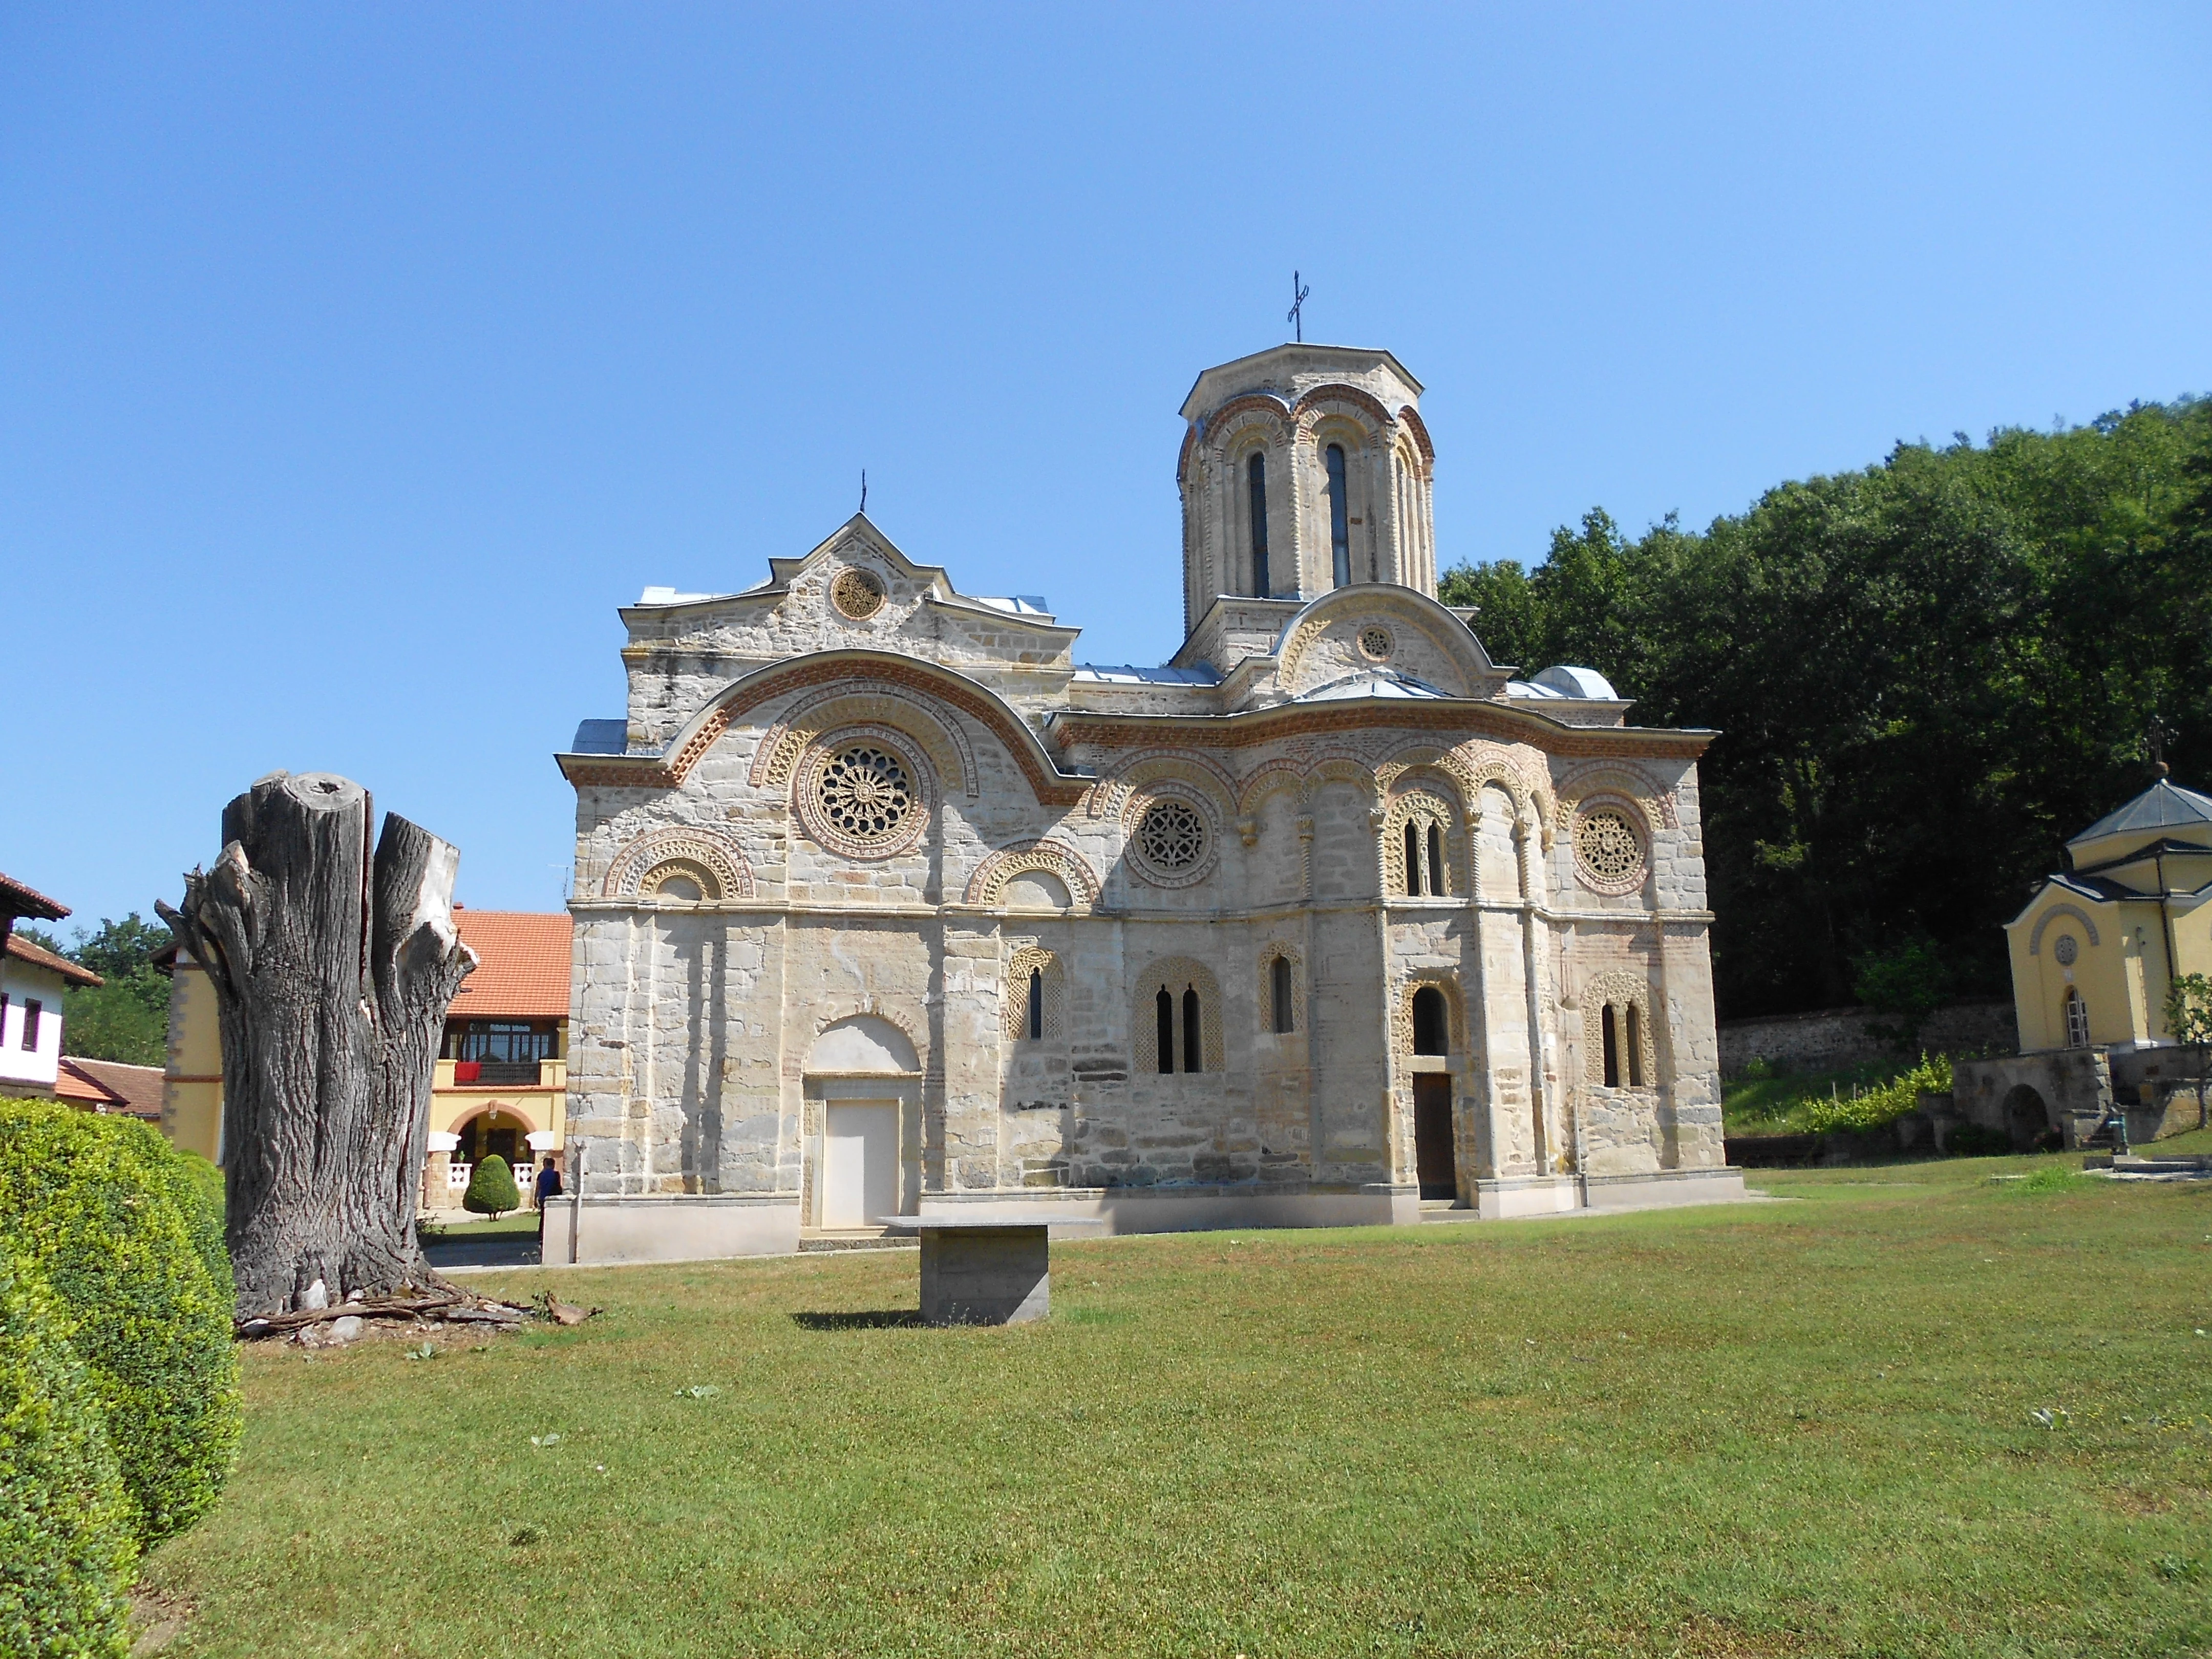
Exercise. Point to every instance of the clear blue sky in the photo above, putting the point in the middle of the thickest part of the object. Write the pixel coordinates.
(356, 363)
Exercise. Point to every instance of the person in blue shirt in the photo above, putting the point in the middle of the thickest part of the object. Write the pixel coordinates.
(548, 1185)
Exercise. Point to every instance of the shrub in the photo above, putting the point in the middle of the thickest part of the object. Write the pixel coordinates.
(491, 1189)
(66, 1543)
(118, 1227)
(1884, 1103)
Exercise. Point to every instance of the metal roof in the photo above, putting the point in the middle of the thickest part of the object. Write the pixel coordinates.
(2163, 806)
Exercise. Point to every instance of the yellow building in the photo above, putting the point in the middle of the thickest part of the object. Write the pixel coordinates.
(2091, 956)
(502, 1072)
(2096, 947)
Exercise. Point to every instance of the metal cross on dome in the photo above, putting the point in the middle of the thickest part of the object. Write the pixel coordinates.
(1296, 318)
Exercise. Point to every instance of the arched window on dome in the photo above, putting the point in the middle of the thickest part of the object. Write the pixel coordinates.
(1339, 516)
(1255, 480)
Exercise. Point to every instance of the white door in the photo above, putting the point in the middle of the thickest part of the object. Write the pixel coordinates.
(859, 1164)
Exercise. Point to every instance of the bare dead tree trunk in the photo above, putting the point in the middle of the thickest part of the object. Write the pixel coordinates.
(332, 968)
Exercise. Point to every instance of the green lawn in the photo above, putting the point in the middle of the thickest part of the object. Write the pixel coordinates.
(1794, 1428)
(515, 1224)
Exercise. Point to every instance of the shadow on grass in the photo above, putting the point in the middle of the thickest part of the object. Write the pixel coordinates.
(876, 1319)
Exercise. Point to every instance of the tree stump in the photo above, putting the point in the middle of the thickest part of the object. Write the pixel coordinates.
(332, 968)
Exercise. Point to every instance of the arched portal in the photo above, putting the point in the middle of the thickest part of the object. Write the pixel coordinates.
(498, 1131)
(863, 1150)
(2028, 1118)
(1434, 1163)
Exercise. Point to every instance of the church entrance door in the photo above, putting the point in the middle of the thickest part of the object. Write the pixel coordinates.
(1433, 1163)
(860, 1163)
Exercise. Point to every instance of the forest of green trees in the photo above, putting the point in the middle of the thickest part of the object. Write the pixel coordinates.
(1926, 676)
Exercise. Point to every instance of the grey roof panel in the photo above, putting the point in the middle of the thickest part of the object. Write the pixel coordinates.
(2163, 806)
(601, 738)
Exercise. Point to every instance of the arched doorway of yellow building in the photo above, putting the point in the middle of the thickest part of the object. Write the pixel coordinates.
(497, 1131)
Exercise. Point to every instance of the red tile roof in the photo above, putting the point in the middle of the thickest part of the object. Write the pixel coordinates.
(17, 900)
(38, 956)
(109, 1085)
(522, 966)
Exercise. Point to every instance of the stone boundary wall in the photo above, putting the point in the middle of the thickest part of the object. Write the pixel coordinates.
(1829, 1039)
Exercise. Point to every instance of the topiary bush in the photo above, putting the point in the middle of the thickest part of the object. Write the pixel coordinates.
(109, 1216)
(67, 1547)
(491, 1189)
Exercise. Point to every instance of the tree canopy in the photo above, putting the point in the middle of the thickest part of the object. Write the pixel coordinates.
(1926, 675)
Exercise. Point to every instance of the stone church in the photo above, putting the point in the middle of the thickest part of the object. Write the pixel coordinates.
(884, 904)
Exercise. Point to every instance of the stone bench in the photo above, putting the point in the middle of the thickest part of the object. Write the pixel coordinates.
(983, 1271)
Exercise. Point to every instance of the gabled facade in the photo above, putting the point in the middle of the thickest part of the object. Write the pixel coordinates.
(33, 983)
(885, 903)
(2096, 948)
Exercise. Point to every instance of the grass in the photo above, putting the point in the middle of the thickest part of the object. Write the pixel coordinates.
(520, 1223)
(1915, 1410)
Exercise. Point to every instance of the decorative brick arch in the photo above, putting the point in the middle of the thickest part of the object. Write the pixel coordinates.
(1176, 974)
(2062, 909)
(1277, 775)
(1410, 418)
(668, 769)
(1310, 407)
(1621, 988)
(1476, 765)
(986, 887)
(728, 877)
(870, 702)
(1029, 959)
(1616, 778)
(1422, 803)
(1111, 797)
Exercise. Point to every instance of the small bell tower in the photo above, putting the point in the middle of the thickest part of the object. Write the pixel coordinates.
(1304, 468)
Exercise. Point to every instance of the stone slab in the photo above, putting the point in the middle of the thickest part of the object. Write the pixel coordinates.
(990, 1275)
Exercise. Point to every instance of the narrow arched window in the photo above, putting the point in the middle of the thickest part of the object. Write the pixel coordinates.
(1255, 480)
(1339, 516)
(1164, 1006)
(1611, 1049)
(1635, 1048)
(2077, 1020)
(1194, 1047)
(1431, 1030)
(1436, 861)
(1279, 987)
(1413, 858)
(1037, 1004)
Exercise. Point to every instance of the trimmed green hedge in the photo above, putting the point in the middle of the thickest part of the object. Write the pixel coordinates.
(67, 1549)
(115, 1223)
(491, 1189)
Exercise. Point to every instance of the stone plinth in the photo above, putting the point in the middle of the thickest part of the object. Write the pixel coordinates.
(982, 1272)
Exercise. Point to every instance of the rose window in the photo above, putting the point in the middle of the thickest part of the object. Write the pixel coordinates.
(857, 593)
(2066, 949)
(1374, 644)
(1172, 835)
(865, 794)
(1606, 847)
